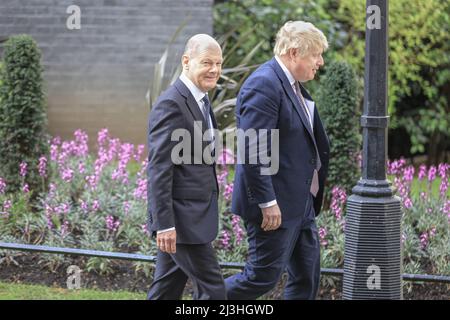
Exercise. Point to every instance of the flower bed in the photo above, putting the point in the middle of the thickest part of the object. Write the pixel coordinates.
(98, 201)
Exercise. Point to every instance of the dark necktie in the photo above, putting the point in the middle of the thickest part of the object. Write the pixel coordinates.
(315, 180)
(206, 109)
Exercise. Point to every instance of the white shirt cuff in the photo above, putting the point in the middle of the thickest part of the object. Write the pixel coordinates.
(164, 230)
(267, 204)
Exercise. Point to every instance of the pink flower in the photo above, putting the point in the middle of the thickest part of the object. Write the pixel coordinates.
(442, 169)
(2, 185)
(238, 232)
(225, 239)
(228, 191)
(432, 173)
(112, 224)
(67, 174)
(140, 150)
(64, 228)
(42, 166)
(81, 143)
(424, 240)
(54, 152)
(422, 172)
(23, 169)
(408, 203)
(227, 157)
(25, 188)
(141, 191)
(126, 207)
(81, 167)
(95, 205)
(408, 173)
(102, 137)
(145, 229)
(322, 235)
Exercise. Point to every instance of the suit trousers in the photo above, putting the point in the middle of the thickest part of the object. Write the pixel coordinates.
(294, 248)
(195, 261)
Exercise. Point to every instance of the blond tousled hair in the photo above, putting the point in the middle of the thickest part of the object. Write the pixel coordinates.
(300, 35)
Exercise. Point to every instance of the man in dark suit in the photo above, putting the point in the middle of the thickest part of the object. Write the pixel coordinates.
(182, 184)
(279, 209)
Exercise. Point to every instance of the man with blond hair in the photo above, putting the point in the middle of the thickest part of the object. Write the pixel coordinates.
(182, 196)
(279, 210)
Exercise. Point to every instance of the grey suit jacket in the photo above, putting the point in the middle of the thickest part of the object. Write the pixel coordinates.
(182, 195)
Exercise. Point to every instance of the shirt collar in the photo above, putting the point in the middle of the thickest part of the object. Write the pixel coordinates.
(196, 92)
(286, 71)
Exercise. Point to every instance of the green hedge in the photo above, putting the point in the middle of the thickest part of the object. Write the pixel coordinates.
(337, 103)
(22, 112)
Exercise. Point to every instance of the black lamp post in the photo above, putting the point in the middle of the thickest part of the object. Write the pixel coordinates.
(373, 259)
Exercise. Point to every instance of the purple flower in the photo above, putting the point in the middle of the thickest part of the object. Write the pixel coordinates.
(81, 140)
(81, 167)
(43, 166)
(408, 173)
(322, 235)
(408, 203)
(140, 150)
(145, 229)
(422, 172)
(23, 169)
(424, 240)
(84, 206)
(25, 188)
(2, 185)
(141, 191)
(238, 232)
(102, 137)
(67, 174)
(112, 224)
(95, 206)
(442, 169)
(64, 228)
(404, 237)
(54, 152)
(228, 191)
(225, 239)
(126, 207)
(226, 157)
(222, 177)
(432, 173)
(7, 204)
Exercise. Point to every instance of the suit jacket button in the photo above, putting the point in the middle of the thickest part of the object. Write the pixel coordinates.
(312, 161)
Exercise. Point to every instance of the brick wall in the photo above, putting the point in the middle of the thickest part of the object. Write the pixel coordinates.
(98, 76)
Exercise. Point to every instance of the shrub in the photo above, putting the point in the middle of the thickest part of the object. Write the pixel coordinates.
(23, 121)
(337, 102)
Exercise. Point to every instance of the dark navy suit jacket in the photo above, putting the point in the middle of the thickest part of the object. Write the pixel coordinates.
(267, 101)
(182, 195)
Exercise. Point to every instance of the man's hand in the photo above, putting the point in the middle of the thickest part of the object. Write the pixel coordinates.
(167, 241)
(271, 218)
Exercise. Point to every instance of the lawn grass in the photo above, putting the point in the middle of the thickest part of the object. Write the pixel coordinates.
(13, 291)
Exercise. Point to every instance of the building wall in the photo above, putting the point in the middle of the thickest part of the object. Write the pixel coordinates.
(97, 77)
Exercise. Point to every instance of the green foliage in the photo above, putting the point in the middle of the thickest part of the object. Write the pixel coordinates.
(419, 42)
(13, 291)
(338, 104)
(22, 113)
